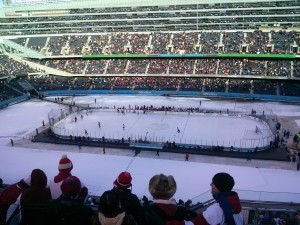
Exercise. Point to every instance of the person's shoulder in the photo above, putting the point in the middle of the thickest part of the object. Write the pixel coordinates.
(129, 220)
(133, 195)
(187, 213)
(53, 201)
(88, 209)
(51, 205)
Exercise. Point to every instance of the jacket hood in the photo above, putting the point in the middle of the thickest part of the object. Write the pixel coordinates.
(38, 179)
(117, 220)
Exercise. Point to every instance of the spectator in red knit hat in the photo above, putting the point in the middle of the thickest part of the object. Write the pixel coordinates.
(65, 167)
(68, 208)
(129, 201)
(123, 180)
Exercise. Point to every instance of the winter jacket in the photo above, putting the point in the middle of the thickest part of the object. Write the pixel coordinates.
(9, 196)
(122, 218)
(226, 210)
(34, 199)
(67, 211)
(129, 202)
(161, 211)
(57, 181)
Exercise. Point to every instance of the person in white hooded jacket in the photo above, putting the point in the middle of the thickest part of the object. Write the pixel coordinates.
(226, 209)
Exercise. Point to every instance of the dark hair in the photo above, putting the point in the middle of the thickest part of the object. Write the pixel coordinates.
(109, 204)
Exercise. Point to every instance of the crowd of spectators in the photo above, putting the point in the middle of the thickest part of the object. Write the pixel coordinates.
(64, 199)
(76, 43)
(97, 43)
(177, 66)
(229, 15)
(233, 41)
(9, 66)
(296, 69)
(229, 67)
(254, 68)
(257, 42)
(138, 66)
(95, 66)
(45, 83)
(279, 68)
(283, 40)
(166, 42)
(199, 84)
(56, 44)
(241, 67)
(151, 18)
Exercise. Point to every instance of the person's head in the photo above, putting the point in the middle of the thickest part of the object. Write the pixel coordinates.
(38, 179)
(109, 204)
(71, 187)
(65, 164)
(222, 182)
(162, 186)
(123, 181)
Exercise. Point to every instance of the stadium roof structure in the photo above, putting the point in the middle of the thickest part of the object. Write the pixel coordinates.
(119, 3)
(21, 5)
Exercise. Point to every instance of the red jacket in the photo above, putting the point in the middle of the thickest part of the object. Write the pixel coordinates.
(10, 196)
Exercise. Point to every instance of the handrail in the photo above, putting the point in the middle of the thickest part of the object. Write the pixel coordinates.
(260, 196)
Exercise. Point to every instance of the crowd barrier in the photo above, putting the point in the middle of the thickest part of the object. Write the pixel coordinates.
(175, 93)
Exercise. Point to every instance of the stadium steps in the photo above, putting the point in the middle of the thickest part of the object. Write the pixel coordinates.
(23, 51)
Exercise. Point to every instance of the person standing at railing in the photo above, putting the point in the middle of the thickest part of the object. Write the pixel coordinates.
(227, 208)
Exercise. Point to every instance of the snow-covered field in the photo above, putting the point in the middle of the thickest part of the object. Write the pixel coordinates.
(98, 171)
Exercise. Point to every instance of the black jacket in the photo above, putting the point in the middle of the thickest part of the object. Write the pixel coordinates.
(129, 202)
(160, 213)
(66, 211)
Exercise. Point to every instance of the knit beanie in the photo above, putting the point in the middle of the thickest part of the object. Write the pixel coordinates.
(162, 187)
(65, 164)
(123, 180)
(71, 186)
(223, 181)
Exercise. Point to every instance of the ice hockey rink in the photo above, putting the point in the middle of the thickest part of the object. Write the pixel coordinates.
(179, 127)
